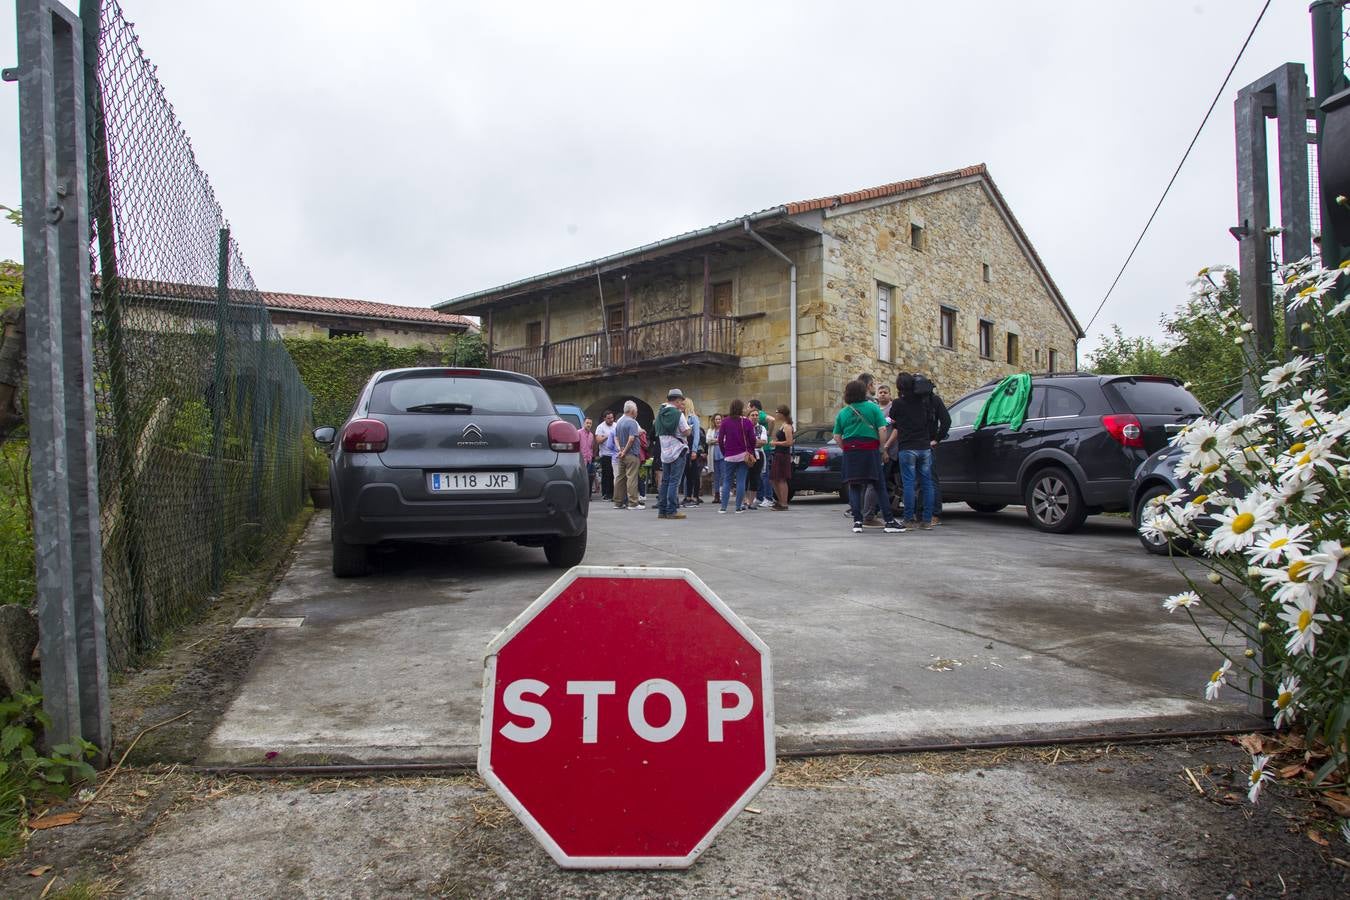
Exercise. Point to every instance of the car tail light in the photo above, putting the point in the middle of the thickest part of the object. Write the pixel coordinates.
(820, 458)
(564, 437)
(1125, 429)
(365, 436)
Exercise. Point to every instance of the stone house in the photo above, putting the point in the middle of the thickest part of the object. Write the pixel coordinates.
(932, 275)
(301, 315)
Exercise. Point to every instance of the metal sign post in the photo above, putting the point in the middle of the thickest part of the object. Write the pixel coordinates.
(66, 529)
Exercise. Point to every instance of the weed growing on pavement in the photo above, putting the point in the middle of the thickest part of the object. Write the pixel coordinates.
(26, 776)
(1267, 514)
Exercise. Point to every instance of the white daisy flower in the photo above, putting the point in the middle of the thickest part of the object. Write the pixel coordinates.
(1285, 707)
(1345, 830)
(1258, 777)
(1240, 525)
(1248, 428)
(1296, 491)
(1328, 559)
(1315, 290)
(1185, 598)
(1304, 623)
(1249, 460)
(1217, 680)
(1281, 377)
(1302, 415)
(1204, 443)
(1278, 544)
(1294, 583)
(1304, 458)
(1340, 308)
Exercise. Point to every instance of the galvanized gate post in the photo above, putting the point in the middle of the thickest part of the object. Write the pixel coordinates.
(218, 411)
(60, 365)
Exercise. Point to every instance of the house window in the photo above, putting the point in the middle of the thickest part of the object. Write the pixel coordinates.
(534, 334)
(883, 322)
(721, 298)
(344, 333)
(916, 236)
(614, 317)
(1054, 359)
(947, 327)
(986, 338)
(988, 273)
(1038, 356)
(1014, 351)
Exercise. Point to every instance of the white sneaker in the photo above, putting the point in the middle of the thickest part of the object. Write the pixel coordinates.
(765, 504)
(721, 512)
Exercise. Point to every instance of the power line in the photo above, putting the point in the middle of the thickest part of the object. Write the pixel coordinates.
(1184, 157)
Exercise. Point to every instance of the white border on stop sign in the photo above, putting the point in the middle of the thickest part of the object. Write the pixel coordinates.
(489, 690)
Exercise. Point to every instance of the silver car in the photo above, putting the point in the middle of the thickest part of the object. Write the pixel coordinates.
(455, 455)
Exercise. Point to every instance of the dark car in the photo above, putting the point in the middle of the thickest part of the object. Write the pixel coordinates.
(817, 462)
(1076, 453)
(455, 455)
(1155, 478)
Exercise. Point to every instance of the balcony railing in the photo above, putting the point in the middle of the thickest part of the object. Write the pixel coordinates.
(690, 339)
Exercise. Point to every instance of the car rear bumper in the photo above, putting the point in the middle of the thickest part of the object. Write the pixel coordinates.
(816, 479)
(1109, 493)
(381, 512)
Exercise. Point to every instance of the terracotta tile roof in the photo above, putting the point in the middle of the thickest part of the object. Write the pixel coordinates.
(885, 190)
(338, 306)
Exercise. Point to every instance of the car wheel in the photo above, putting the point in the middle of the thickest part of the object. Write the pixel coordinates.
(1054, 502)
(1157, 544)
(565, 552)
(986, 507)
(349, 560)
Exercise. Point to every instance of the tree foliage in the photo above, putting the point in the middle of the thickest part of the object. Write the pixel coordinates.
(1200, 347)
(335, 369)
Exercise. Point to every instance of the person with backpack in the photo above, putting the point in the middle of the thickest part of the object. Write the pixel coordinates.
(919, 420)
(672, 435)
(857, 430)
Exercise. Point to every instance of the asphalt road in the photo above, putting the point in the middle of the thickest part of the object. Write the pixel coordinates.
(981, 629)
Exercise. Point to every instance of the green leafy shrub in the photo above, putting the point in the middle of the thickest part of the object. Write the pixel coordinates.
(26, 776)
(17, 572)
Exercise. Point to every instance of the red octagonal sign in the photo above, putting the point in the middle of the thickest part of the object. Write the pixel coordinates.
(627, 717)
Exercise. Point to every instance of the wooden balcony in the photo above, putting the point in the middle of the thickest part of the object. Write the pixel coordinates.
(685, 341)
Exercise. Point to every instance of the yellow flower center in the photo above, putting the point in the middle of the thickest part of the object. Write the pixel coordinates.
(1218, 673)
(1243, 522)
(1255, 776)
(1296, 570)
(1297, 448)
(1210, 469)
(1307, 290)
(1304, 620)
(1304, 459)
(1284, 699)
(1278, 543)
(1308, 423)
(1200, 500)
(1209, 444)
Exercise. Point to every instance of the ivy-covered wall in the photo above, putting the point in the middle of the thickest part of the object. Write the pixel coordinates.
(335, 369)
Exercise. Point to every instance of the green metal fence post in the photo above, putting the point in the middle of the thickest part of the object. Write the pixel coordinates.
(218, 411)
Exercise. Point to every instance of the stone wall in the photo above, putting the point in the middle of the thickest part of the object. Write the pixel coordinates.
(291, 325)
(960, 232)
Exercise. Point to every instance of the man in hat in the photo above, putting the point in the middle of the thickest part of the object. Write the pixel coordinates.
(672, 428)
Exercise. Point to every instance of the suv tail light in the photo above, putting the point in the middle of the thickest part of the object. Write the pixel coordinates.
(820, 458)
(365, 436)
(564, 437)
(1125, 429)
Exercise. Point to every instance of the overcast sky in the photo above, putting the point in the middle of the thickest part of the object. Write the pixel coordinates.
(412, 152)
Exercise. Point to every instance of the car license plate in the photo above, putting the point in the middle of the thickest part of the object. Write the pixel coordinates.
(451, 482)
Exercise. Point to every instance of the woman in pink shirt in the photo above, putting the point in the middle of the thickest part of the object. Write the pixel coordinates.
(588, 452)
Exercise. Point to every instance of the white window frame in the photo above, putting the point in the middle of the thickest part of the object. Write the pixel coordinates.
(885, 316)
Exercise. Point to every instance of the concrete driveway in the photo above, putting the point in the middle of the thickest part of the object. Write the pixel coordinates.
(981, 629)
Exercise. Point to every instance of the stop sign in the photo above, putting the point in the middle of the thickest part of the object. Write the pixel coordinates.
(627, 717)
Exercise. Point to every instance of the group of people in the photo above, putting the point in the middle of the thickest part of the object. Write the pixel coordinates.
(883, 436)
(744, 449)
(748, 449)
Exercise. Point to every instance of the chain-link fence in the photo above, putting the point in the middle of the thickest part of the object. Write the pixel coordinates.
(200, 411)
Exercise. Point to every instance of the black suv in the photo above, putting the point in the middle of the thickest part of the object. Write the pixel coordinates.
(1076, 453)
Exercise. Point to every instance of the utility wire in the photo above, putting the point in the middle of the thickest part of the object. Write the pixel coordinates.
(1184, 157)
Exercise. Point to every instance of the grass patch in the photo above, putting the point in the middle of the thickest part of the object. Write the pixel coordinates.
(17, 573)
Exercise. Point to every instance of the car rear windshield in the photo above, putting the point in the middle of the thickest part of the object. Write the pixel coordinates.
(570, 417)
(1151, 397)
(456, 395)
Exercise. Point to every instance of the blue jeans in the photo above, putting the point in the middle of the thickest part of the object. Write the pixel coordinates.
(922, 461)
(719, 470)
(671, 475)
(735, 472)
(858, 492)
(764, 491)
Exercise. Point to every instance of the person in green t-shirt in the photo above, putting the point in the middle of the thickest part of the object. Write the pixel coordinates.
(857, 430)
(759, 471)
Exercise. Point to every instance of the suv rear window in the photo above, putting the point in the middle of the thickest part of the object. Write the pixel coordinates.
(458, 396)
(1151, 396)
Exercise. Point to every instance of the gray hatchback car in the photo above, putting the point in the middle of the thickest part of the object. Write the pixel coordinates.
(455, 455)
